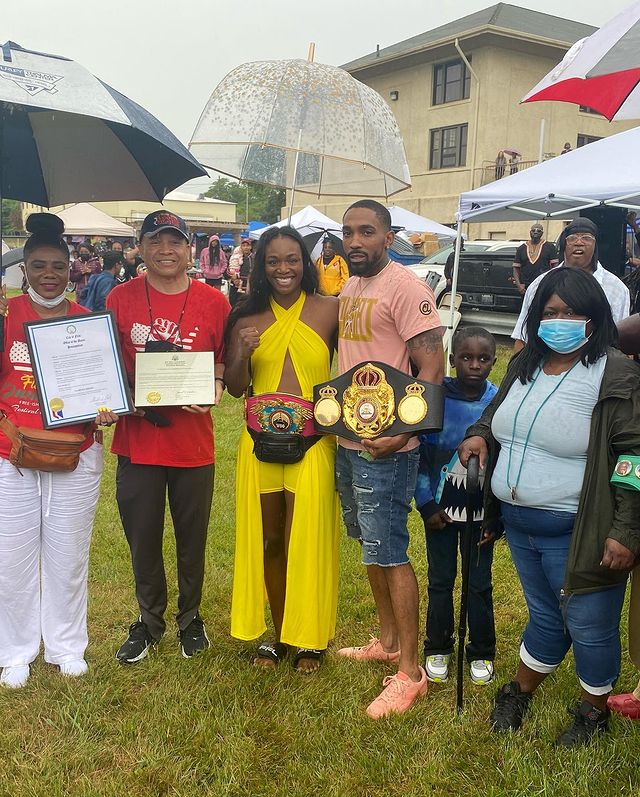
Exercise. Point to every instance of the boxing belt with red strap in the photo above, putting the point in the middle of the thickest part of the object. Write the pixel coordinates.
(374, 400)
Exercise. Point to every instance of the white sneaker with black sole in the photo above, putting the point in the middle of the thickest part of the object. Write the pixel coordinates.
(137, 645)
(481, 671)
(437, 668)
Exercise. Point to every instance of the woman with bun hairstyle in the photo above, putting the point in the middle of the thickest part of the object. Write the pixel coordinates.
(46, 518)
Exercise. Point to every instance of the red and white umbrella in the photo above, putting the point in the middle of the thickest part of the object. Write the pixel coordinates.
(601, 71)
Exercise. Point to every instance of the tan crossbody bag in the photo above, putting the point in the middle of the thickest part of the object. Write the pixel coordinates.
(42, 449)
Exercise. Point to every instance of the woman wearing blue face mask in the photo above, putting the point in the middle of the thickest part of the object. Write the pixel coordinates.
(567, 410)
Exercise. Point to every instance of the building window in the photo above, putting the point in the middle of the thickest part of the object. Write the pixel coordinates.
(586, 109)
(448, 147)
(451, 82)
(583, 140)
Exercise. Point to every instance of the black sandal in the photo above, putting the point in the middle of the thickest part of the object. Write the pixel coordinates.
(307, 653)
(271, 651)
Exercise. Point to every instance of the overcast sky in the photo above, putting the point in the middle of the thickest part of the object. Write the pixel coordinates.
(169, 55)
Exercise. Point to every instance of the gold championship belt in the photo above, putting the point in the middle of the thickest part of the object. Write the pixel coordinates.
(373, 400)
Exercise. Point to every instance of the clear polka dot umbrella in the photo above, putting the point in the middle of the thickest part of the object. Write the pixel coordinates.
(304, 126)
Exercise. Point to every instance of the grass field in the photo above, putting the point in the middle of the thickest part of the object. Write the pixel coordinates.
(217, 726)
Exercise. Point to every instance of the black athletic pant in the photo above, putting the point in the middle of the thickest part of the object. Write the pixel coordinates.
(141, 492)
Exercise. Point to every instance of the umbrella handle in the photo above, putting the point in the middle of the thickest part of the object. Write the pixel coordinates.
(473, 481)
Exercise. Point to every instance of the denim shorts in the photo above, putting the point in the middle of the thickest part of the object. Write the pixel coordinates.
(376, 500)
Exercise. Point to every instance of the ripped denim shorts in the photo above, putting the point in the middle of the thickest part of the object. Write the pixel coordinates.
(376, 500)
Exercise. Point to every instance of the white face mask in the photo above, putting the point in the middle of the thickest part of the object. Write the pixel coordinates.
(49, 303)
(40, 300)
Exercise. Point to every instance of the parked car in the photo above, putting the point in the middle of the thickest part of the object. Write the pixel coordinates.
(485, 282)
(440, 257)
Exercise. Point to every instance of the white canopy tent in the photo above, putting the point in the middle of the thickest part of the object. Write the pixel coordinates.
(413, 222)
(600, 173)
(306, 222)
(86, 219)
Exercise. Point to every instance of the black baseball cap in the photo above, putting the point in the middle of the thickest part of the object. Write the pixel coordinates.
(163, 220)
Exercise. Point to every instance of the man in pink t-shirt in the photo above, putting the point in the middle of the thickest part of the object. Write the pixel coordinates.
(386, 314)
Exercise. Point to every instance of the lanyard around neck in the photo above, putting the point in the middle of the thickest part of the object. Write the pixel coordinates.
(184, 306)
(514, 487)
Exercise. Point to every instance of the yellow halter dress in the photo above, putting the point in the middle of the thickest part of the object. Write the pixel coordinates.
(312, 562)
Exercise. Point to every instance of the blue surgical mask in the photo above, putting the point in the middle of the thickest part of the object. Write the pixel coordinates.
(563, 335)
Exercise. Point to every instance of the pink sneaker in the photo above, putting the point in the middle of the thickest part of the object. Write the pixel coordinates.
(371, 652)
(398, 695)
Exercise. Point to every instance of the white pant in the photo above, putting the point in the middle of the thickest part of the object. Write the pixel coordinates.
(46, 521)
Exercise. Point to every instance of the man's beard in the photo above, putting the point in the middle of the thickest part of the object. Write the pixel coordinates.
(362, 268)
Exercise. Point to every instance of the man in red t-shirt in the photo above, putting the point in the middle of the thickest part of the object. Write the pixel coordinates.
(170, 450)
(386, 314)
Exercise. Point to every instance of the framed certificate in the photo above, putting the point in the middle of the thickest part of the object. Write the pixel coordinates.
(174, 379)
(77, 367)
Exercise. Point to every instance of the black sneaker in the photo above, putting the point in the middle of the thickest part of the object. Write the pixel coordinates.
(511, 706)
(193, 639)
(137, 645)
(588, 721)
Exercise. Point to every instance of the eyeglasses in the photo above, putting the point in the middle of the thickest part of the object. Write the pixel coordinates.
(580, 237)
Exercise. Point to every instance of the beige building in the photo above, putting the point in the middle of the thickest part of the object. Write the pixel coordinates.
(201, 215)
(455, 92)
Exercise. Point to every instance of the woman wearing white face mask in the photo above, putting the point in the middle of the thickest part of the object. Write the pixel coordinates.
(46, 518)
(566, 415)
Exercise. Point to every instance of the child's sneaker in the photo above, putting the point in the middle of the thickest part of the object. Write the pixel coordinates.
(481, 671)
(437, 667)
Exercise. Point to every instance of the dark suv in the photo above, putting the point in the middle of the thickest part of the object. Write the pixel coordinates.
(485, 281)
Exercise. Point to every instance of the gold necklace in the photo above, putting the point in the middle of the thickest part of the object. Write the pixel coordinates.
(355, 301)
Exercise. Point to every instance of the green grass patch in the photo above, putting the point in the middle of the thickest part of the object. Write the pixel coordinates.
(217, 726)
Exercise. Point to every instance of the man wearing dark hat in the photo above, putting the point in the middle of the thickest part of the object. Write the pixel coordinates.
(169, 450)
(579, 249)
(533, 258)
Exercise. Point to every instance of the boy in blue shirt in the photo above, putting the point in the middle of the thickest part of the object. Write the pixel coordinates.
(441, 500)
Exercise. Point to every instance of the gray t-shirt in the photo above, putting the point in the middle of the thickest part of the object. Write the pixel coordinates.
(556, 453)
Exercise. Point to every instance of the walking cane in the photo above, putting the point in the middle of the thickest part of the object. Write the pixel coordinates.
(473, 470)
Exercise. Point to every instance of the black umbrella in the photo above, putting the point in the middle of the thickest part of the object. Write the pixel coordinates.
(65, 136)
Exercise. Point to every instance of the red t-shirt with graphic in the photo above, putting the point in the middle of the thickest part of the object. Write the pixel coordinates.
(18, 396)
(188, 441)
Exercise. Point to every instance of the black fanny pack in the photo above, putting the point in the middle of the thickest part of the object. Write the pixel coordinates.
(282, 449)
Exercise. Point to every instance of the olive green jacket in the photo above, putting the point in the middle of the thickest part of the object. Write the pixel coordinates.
(604, 510)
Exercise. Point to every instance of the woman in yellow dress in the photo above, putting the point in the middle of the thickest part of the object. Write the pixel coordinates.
(280, 343)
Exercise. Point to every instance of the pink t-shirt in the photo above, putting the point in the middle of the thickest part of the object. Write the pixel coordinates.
(378, 315)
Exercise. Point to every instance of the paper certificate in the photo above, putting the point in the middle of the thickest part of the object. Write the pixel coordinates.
(77, 367)
(174, 379)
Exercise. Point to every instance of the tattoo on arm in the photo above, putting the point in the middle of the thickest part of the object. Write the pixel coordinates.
(430, 341)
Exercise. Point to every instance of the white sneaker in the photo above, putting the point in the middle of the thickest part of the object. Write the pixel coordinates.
(437, 668)
(75, 668)
(481, 671)
(15, 677)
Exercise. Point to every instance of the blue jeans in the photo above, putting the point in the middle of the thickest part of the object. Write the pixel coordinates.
(442, 556)
(376, 500)
(539, 541)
